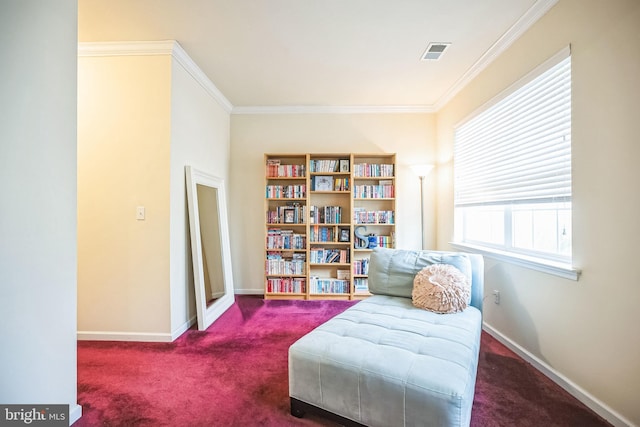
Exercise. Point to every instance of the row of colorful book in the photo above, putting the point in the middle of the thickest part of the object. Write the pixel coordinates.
(328, 286)
(322, 234)
(361, 266)
(384, 191)
(326, 255)
(361, 285)
(325, 214)
(285, 239)
(362, 216)
(290, 214)
(286, 191)
(330, 165)
(276, 170)
(373, 170)
(276, 263)
(287, 285)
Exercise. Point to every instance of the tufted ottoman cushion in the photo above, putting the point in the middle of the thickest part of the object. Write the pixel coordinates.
(384, 362)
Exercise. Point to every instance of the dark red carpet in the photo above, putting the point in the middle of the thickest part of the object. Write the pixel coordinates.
(235, 374)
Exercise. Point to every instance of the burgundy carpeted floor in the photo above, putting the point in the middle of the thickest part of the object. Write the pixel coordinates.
(235, 374)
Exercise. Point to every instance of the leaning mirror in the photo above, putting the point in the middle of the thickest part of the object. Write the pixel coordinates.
(212, 278)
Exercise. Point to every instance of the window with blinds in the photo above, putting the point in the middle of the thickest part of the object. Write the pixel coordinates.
(512, 168)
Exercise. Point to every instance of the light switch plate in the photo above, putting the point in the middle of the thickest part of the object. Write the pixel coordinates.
(140, 213)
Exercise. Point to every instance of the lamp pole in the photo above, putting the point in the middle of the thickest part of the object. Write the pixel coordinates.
(421, 171)
(422, 212)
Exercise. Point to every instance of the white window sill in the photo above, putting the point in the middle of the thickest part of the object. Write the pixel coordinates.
(556, 268)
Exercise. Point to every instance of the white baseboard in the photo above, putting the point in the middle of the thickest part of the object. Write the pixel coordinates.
(75, 412)
(576, 391)
(259, 291)
(136, 336)
(183, 328)
(124, 336)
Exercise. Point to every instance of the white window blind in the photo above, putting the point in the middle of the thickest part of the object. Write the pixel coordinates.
(519, 149)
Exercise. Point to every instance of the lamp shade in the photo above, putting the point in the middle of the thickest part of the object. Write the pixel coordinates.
(421, 170)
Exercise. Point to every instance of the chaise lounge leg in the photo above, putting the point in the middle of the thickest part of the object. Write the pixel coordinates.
(297, 409)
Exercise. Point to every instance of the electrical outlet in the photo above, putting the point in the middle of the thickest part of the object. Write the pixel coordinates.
(496, 296)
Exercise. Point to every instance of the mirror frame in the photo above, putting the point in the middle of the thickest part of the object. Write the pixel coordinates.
(207, 315)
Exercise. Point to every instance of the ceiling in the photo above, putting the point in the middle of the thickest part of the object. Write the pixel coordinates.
(265, 54)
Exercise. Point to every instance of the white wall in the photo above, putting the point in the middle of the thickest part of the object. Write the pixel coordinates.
(411, 136)
(38, 203)
(124, 122)
(142, 118)
(200, 138)
(584, 331)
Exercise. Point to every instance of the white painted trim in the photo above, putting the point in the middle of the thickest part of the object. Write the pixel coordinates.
(572, 388)
(123, 336)
(333, 109)
(172, 47)
(544, 266)
(75, 412)
(181, 56)
(176, 333)
(132, 48)
(530, 17)
(136, 336)
(257, 291)
(150, 48)
(208, 313)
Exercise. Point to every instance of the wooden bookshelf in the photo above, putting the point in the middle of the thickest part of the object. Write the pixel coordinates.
(320, 210)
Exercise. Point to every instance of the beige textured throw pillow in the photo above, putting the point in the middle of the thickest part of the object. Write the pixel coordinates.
(441, 288)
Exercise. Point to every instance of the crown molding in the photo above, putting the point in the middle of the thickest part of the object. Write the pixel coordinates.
(196, 72)
(530, 17)
(333, 109)
(133, 48)
(173, 48)
(150, 48)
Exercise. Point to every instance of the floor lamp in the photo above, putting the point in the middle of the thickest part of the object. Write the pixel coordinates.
(421, 171)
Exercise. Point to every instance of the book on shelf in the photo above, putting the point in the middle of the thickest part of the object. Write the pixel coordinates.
(322, 234)
(361, 266)
(329, 165)
(322, 183)
(341, 184)
(285, 239)
(286, 285)
(277, 263)
(363, 216)
(325, 214)
(374, 192)
(372, 170)
(318, 285)
(291, 213)
(361, 285)
(386, 241)
(328, 256)
(277, 170)
(286, 191)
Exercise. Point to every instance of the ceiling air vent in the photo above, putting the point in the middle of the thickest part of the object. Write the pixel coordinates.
(434, 51)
